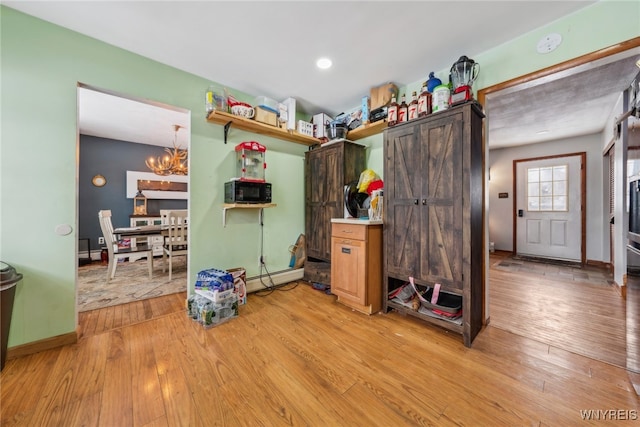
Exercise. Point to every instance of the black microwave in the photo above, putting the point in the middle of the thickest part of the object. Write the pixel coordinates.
(247, 192)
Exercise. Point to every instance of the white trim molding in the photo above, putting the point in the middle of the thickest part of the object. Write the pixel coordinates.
(134, 176)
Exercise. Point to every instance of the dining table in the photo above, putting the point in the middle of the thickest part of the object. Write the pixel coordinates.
(141, 231)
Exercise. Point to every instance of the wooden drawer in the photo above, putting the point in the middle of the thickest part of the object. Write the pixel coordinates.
(349, 231)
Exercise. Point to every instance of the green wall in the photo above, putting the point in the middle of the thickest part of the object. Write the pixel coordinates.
(41, 66)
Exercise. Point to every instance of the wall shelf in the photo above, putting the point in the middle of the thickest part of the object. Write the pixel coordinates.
(226, 119)
(367, 130)
(260, 206)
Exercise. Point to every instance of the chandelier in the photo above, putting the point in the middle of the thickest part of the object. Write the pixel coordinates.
(174, 163)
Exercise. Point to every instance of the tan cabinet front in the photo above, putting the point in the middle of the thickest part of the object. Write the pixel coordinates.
(356, 266)
(348, 269)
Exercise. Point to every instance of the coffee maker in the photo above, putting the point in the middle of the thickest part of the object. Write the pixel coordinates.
(463, 73)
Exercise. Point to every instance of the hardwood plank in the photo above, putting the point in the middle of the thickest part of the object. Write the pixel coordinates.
(88, 321)
(145, 385)
(117, 317)
(117, 401)
(88, 411)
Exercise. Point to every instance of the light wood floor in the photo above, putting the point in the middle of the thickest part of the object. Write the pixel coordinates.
(299, 358)
(576, 309)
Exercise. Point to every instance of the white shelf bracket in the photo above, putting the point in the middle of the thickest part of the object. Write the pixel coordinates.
(224, 214)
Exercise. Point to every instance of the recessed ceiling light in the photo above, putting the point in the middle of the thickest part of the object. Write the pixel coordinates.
(638, 63)
(324, 63)
(542, 132)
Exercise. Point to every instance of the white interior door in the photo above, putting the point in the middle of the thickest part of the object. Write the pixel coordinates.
(549, 208)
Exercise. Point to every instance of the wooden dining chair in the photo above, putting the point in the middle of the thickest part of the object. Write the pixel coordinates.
(116, 253)
(176, 241)
(164, 215)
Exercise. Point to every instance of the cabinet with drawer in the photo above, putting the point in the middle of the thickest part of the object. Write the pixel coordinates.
(153, 240)
(356, 263)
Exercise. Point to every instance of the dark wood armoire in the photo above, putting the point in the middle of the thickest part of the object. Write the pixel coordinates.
(433, 213)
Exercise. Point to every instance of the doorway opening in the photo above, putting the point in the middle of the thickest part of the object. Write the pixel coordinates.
(560, 333)
(116, 134)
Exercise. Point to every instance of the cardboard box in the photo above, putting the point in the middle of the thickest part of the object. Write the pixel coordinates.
(239, 275)
(266, 116)
(320, 121)
(381, 95)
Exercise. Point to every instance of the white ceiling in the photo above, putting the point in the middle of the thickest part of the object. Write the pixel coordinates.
(115, 117)
(566, 104)
(269, 47)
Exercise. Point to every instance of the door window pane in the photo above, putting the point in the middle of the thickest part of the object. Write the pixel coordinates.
(547, 188)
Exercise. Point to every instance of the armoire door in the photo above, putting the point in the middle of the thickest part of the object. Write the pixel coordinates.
(403, 171)
(324, 199)
(441, 201)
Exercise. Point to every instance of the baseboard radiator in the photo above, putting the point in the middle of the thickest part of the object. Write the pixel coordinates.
(255, 283)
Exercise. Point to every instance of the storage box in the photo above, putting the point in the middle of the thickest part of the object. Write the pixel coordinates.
(381, 95)
(266, 104)
(265, 116)
(320, 121)
(305, 128)
(239, 283)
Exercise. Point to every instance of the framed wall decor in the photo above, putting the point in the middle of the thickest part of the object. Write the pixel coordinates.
(157, 187)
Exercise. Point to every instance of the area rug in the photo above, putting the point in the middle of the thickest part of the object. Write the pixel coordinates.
(131, 283)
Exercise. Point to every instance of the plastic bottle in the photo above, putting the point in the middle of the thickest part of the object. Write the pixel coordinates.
(440, 98)
(209, 103)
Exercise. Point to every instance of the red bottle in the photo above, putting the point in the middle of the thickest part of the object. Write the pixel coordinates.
(403, 110)
(413, 107)
(424, 101)
(392, 112)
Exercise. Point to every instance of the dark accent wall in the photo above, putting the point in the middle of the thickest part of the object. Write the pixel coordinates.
(112, 159)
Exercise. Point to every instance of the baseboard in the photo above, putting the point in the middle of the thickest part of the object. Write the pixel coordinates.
(599, 264)
(255, 284)
(42, 345)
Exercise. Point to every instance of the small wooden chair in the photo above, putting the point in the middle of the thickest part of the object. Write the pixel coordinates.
(176, 242)
(115, 253)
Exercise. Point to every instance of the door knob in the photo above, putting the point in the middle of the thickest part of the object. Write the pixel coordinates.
(424, 202)
(415, 201)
